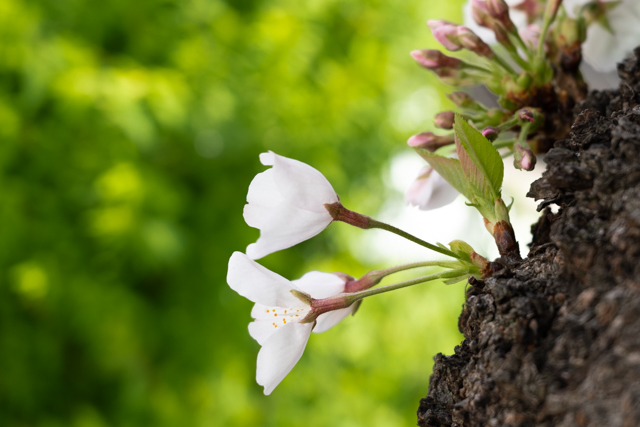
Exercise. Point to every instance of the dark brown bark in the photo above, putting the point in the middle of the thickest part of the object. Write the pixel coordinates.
(555, 340)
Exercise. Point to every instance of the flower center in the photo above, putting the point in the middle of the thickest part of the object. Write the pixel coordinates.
(281, 316)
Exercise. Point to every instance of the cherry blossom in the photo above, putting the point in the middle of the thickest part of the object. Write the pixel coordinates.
(430, 191)
(286, 203)
(278, 313)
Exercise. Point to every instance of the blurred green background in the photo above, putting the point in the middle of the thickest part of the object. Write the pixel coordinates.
(129, 133)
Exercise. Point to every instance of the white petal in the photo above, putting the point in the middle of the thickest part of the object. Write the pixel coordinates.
(329, 320)
(258, 284)
(320, 285)
(263, 190)
(430, 191)
(280, 353)
(286, 203)
(282, 226)
(302, 185)
(261, 330)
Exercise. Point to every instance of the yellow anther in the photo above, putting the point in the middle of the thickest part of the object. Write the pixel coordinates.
(285, 312)
(267, 311)
(275, 314)
(284, 320)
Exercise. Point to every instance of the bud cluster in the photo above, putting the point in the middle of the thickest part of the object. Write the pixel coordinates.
(535, 73)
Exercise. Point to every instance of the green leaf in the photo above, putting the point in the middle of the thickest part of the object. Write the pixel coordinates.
(480, 160)
(449, 169)
(461, 248)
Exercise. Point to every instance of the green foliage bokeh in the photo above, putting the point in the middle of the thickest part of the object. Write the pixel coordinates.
(129, 133)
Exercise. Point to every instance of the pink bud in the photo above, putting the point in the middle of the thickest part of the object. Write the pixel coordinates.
(526, 115)
(531, 8)
(480, 13)
(499, 10)
(523, 158)
(446, 33)
(470, 40)
(430, 59)
(429, 141)
(491, 133)
(445, 119)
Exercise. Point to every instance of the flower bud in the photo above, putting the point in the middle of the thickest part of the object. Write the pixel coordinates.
(571, 31)
(499, 11)
(480, 13)
(445, 119)
(523, 158)
(431, 59)
(429, 141)
(526, 115)
(532, 9)
(464, 100)
(491, 133)
(446, 34)
(470, 41)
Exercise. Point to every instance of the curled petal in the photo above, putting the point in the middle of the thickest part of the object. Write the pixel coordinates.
(430, 191)
(280, 353)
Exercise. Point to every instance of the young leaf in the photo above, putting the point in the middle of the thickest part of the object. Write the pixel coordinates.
(483, 155)
(449, 169)
(460, 248)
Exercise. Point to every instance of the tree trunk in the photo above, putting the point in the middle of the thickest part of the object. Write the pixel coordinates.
(555, 341)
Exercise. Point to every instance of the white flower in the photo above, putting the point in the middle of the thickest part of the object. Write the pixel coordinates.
(430, 191)
(518, 18)
(278, 313)
(286, 203)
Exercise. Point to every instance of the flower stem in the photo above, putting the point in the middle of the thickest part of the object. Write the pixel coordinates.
(352, 298)
(550, 12)
(504, 143)
(502, 63)
(392, 229)
(340, 213)
(513, 53)
(374, 277)
(522, 44)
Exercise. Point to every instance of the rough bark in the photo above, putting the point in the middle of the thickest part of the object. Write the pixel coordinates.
(555, 340)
